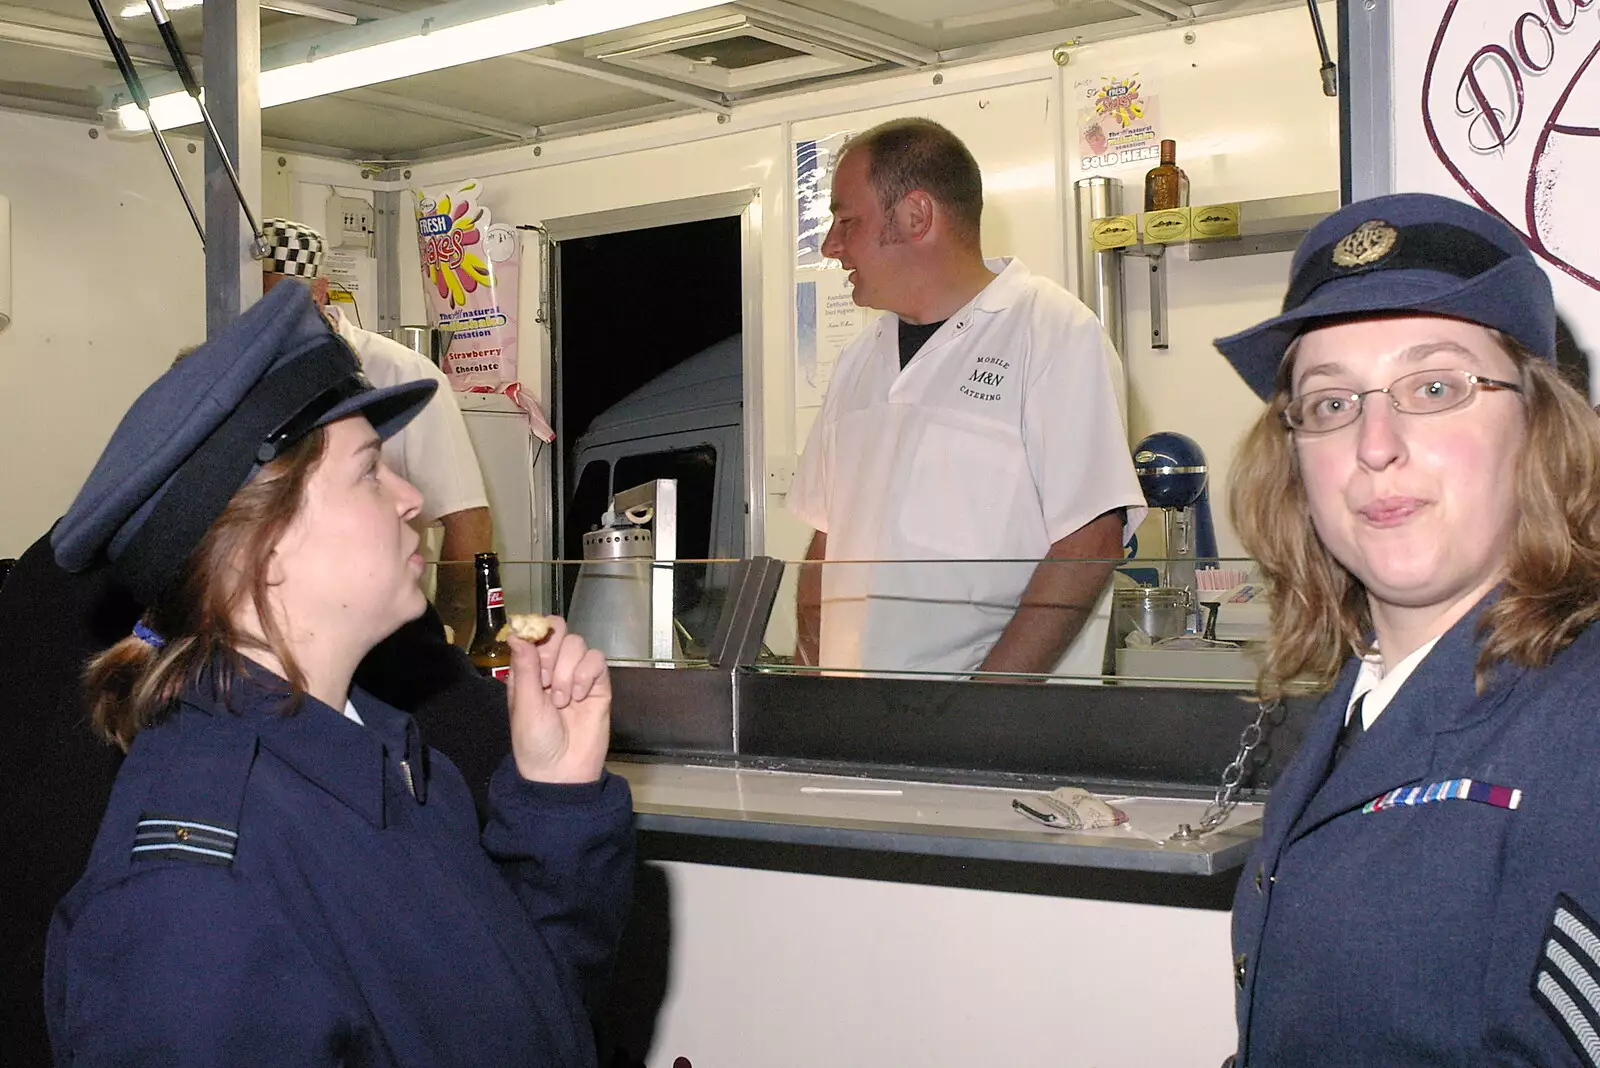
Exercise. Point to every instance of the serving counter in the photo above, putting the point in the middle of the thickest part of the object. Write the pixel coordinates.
(893, 815)
(832, 871)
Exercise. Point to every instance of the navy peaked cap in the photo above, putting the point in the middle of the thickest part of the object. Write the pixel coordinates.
(1403, 254)
(203, 428)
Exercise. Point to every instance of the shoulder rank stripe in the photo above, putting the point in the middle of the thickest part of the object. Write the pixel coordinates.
(1580, 1033)
(159, 837)
(1448, 790)
(1586, 940)
(1566, 980)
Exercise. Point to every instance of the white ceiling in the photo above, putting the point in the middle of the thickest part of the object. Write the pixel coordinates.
(53, 60)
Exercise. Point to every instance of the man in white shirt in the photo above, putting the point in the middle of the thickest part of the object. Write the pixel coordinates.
(979, 420)
(434, 452)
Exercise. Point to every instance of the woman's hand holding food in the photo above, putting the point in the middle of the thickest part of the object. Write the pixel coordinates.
(560, 694)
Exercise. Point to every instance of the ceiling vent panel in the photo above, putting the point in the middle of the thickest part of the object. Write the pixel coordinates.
(730, 53)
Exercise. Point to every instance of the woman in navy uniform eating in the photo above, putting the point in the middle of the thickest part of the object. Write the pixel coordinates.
(286, 874)
(1423, 492)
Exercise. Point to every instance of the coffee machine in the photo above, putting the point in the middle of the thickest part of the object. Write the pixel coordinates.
(1174, 477)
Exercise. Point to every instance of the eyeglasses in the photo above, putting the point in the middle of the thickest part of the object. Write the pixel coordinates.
(1419, 393)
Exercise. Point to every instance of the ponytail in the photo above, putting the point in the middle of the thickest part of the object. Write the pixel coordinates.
(137, 681)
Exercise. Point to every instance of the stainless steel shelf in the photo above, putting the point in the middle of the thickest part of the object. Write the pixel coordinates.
(1273, 224)
(1270, 224)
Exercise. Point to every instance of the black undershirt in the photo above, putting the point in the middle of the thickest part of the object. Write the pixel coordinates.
(913, 336)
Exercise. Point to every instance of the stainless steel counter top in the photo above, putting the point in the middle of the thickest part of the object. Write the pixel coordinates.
(930, 818)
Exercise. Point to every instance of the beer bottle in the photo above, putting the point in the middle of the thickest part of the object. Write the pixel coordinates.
(488, 654)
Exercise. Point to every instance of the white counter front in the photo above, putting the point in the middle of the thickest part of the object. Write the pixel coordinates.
(761, 967)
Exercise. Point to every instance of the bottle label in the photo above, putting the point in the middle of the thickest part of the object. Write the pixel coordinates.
(503, 673)
(497, 597)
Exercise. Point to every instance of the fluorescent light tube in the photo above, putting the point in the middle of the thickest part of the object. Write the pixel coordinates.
(437, 48)
(287, 7)
(133, 11)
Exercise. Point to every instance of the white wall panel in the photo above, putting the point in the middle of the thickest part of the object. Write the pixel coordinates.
(108, 285)
(776, 970)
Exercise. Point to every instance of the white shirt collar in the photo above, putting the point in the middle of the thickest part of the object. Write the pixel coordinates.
(1379, 686)
(1002, 291)
(1010, 274)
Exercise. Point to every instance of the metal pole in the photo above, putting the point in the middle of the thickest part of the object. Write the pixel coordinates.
(1328, 71)
(180, 63)
(130, 78)
(232, 61)
(1100, 273)
(386, 251)
(1366, 99)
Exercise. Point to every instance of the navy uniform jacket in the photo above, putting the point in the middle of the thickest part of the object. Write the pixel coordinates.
(1453, 931)
(299, 889)
(56, 773)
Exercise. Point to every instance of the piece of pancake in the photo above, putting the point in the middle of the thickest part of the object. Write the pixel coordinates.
(529, 628)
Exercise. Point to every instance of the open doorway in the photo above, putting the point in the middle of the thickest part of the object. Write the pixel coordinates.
(647, 377)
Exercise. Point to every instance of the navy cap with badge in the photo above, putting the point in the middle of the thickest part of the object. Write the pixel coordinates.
(1403, 254)
(201, 430)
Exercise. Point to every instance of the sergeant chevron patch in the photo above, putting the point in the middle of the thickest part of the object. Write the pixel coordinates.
(1567, 979)
(164, 838)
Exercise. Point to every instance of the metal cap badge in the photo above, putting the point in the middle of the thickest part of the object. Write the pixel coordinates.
(1367, 243)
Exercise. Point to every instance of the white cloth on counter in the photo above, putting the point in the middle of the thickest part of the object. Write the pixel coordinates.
(1003, 435)
(1070, 808)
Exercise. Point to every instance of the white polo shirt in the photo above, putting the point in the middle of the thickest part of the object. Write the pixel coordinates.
(433, 452)
(1003, 435)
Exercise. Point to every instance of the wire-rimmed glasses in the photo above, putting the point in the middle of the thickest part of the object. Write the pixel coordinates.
(1418, 393)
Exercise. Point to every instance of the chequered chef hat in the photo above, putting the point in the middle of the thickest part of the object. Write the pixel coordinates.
(292, 248)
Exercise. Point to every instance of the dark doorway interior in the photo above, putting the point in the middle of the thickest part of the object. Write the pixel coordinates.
(629, 306)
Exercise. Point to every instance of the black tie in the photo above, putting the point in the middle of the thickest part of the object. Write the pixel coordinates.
(1352, 731)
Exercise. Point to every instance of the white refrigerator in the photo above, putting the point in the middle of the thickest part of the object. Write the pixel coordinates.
(515, 467)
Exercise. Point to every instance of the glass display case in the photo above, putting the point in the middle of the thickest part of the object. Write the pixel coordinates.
(1153, 698)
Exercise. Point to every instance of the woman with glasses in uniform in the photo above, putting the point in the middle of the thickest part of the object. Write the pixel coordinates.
(1423, 494)
(286, 873)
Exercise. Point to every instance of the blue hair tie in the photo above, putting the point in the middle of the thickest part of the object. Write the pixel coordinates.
(148, 636)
